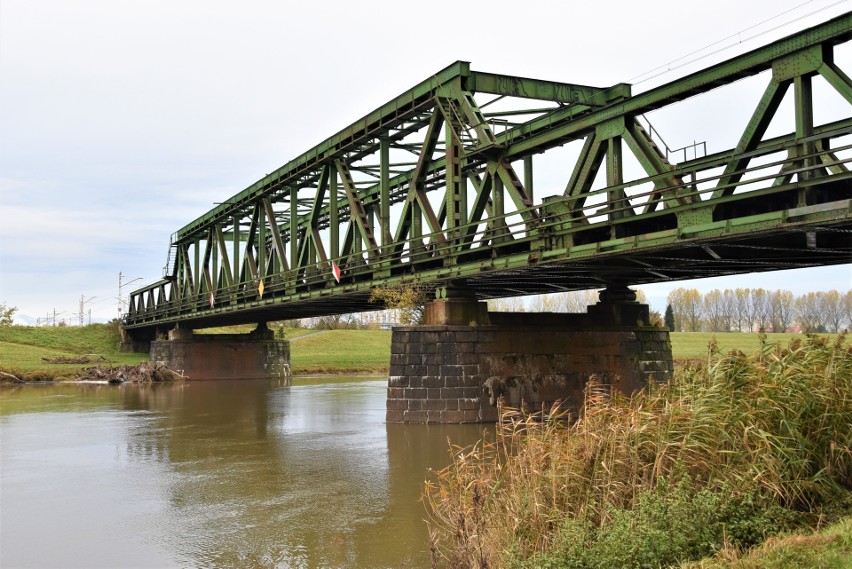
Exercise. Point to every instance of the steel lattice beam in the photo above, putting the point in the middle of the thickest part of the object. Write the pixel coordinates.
(437, 185)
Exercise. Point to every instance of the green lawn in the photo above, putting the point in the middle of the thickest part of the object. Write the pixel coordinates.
(693, 345)
(338, 351)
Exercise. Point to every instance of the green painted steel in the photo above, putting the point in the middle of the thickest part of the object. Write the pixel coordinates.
(437, 186)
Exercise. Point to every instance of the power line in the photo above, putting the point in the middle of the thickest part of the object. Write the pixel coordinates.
(667, 67)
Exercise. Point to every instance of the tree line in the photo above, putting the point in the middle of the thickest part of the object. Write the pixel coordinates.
(752, 310)
(729, 310)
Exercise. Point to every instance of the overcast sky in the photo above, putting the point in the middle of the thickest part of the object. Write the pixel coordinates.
(122, 120)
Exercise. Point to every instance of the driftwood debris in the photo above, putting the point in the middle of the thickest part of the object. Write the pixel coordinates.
(77, 360)
(9, 378)
(145, 372)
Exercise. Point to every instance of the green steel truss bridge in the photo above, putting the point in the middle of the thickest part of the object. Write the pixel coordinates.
(439, 185)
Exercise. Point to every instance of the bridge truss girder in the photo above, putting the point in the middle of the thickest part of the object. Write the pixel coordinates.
(437, 185)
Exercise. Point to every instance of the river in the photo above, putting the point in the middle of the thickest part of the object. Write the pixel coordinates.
(214, 474)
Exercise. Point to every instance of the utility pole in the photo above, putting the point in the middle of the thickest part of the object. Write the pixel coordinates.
(120, 286)
(82, 313)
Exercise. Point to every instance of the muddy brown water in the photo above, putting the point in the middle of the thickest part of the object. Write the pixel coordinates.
(214, 474)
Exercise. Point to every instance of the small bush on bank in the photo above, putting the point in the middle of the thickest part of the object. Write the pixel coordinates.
(726, 454)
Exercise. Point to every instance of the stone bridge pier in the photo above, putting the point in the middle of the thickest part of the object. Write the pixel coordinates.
(256, 355)
(454, 368)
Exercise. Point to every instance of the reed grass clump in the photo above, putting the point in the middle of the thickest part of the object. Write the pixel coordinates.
(729, 452)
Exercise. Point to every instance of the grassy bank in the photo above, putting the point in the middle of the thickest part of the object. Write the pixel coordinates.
(313, 352)
(693, 345)
(329, 351)
(23, 350)
(341, 351)
(721, 458)
(828, 548)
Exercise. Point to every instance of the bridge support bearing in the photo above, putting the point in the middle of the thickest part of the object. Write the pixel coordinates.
(455, 373)
(257, 355)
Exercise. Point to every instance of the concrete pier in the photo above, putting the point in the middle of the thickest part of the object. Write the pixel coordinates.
(257, 355)
(455, 368)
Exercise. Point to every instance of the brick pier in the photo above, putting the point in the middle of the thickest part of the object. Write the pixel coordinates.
(257, 355)
(454, 373)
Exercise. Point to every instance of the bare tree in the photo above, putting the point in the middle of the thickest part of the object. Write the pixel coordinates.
(832, 310)
(744, 309)
(760, 307)
(781, 310)
(730, 313)
(544, 303)
(508, 304)
(577, 300)
(687, 307)
(847, 307)
(808, 310)
(715, 310)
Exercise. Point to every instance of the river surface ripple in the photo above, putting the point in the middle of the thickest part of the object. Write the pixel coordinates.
(214, 474)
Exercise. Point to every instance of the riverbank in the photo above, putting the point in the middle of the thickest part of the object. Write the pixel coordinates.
(25, 349)
(27, 352)
(39, 353)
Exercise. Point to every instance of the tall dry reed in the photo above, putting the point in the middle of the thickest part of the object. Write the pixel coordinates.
(775, 427)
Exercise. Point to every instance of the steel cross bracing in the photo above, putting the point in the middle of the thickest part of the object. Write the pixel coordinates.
(438, 185)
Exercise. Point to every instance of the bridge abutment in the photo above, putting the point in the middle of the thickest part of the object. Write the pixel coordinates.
(456, 367)
(257, 355)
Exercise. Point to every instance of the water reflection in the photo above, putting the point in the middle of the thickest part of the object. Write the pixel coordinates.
(239, 473)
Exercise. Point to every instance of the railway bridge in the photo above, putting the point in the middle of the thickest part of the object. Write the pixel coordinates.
(475, 185)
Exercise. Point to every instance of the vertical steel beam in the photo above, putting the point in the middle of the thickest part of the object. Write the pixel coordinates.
(805, 122)
(456, 196)
(497, 222)
(214, 253)
(384, 193)
(615, 177)
(416, 225)
(237, 274)
(528, 176)
(294, 229)
(333, 215)
(196, 250)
